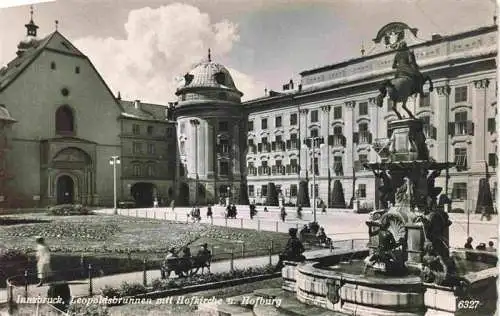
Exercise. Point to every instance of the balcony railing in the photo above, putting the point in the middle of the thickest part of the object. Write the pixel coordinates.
(277, 170)
(461, 128)
(264, 171)
(292, 144)
(337, 140)
(365, 137)
(292, 169)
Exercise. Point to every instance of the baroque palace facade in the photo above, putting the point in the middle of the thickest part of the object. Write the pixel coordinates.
(61, 125)
(337, 104)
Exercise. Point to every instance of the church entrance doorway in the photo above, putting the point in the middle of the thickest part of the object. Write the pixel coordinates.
(143, 193)
(65, 190)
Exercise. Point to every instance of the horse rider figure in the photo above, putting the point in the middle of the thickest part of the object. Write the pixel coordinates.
(406, 65)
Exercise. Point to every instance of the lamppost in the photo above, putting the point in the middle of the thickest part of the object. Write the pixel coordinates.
(195, 123)
(313, 141)
(228, 192)
(114, 160)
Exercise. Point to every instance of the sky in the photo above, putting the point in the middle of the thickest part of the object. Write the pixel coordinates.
(142, 47)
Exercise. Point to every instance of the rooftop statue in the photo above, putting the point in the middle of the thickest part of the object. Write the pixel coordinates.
(408, 80)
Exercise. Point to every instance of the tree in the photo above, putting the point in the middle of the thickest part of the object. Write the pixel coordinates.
(338, 199)
(484, 197)
(243, 194)
(272, 195)
(303, 195)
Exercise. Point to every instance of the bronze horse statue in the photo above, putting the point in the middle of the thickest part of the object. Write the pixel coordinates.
(408, 81)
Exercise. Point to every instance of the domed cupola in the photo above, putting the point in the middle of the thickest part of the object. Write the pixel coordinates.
(208, 82)
(30, 40)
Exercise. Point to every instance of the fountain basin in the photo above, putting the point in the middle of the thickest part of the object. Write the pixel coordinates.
(338, 284)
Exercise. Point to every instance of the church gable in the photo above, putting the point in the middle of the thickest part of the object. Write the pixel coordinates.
(59, 43)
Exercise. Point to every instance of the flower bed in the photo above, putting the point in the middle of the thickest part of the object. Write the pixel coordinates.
(158, 285)
(69, 210)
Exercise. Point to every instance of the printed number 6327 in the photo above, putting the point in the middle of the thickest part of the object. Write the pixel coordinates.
(468, 304)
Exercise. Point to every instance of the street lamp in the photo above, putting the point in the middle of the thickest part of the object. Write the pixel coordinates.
(314, 141)
(114, 160)
(195, 123)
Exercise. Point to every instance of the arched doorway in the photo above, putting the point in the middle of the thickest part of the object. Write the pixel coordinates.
(65, 190)
(143, 194)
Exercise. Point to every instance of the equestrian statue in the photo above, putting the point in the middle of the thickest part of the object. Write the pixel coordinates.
(408, 80)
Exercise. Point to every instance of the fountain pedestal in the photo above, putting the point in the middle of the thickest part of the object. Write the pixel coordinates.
(407, 140)
(414, 240)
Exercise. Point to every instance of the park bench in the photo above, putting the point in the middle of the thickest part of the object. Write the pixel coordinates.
(311, 239)
(185, 266)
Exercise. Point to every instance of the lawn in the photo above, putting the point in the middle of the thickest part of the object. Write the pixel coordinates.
(120, 244)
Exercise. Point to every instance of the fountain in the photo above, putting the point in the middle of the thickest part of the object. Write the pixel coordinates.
(407, 268)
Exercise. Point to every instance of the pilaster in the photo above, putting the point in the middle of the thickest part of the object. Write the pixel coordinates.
(304, 152)
(349, 131)
(441, 121)
(479, 115)
(373, 126)
(324, 156)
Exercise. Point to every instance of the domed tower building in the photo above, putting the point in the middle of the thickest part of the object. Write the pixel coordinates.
(211, 137)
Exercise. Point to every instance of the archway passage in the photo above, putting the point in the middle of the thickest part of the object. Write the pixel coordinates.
(143, 193)
(65, 190)
(183, 199)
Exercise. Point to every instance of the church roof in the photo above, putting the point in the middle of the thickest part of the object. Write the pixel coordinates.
(144, 111)
(54, 42)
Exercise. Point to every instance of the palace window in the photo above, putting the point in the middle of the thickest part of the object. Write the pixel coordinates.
(77, 69)
(364, 134)
(461, 94)
(250, 126)
(363, 108)
(293, 119)
(337, 130)
(224, 168)
(316, 190)
(64, 120)
(137, 148)
(314, 132)
(136, 129)
(151, 170)
(362, 190)
(492, 160)
(314, 116)
(53, 65)
(293, 190)
(251, 190)
(316, 165)
(151, 149)
(263, 190)
(263, 124)
(277, 121)
(224, 146)
(461, 123)
(459, 191)
(136, 169)
(337, 113)
(461, 158)
(150, 130)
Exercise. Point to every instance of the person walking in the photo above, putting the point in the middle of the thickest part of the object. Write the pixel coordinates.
(43, 260)
(299, 212)
(172, 205)
(209, 211)
(283, 214)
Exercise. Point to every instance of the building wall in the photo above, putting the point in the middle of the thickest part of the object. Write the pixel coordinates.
(353, 88)
(33, 99)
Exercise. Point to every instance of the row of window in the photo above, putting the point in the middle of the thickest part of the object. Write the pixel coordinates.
(138, 148)
(140, 170)
(223, 168)
(223, 126)
(262, 191)
(136, 130)
(53, 66)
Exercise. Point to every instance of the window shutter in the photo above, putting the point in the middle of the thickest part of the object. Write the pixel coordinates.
(288, 169)
(273, 170)
(259, 169)
(355, 137)
(491, 125)
(451, 129)
(492, 160)
(273, 146)
(470, 128)
(259, 146)
(433, 132)
(369, 138)
(343, 140)
(288, 144)
(330, 140)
